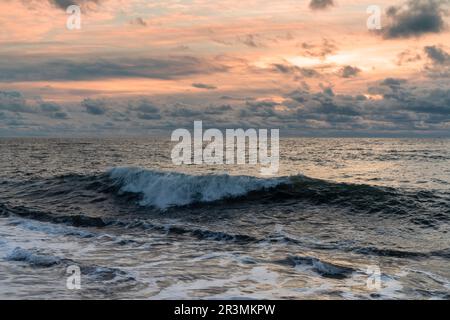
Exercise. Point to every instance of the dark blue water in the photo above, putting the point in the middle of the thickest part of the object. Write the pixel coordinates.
(140, 227)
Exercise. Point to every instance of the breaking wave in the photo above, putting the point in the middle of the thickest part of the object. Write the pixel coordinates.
(164, 190)
(169, 189)
(159, 190)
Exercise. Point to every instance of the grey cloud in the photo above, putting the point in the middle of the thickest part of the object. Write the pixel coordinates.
(144, 106)
(391, 88)
(283, 68)
(309, 73)
(94, 107)
(9, 116)
(50, 107)
(265, 108)
(204, 86)
(349, 71)
(251, 40)
(184, 111)
(408, 56)
(14, 101)
(403, 109)
(146, 109)
(17, 123)
(393, 83)
(328, 91)
(63, 4)
(296, 71)
(320, 4)
(48, 69)
(53, 110)
(417, 109)
(60, 115)
(255, 105)
(218, 109)
(321, 50)
(138, 22)
(437, 55)
(415, 18)
(149, 116)
(107, 125)
(119, 116)
(439, 62)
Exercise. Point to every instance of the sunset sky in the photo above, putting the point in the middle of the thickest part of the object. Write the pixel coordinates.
(306, 67)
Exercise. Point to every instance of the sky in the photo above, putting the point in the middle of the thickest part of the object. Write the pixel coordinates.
(306, 67)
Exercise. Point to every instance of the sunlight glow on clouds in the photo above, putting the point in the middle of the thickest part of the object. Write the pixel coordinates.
(242, 61)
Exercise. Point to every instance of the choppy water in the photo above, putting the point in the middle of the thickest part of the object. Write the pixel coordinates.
(140, 227)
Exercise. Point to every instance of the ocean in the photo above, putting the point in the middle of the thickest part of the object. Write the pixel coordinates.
(343, 219)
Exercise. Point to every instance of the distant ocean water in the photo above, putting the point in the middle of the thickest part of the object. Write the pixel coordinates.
(140, 227)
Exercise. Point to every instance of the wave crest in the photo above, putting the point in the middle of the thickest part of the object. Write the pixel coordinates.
(168, 189)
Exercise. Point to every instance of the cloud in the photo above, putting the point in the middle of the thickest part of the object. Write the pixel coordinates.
(405, 109)
(439, 62)
(320, 50)
(149, 116)
(53, 110)
(349, 71)
(295, 70)
(328, 91)
(204, 86)
(184, 111)
(309, 73)
(64, 4)
(21, 68)
(437, 55)
(14, 101)
(401, 108)
(146, 110)
(390, 88)
(120, 116)
(320, 4)
(143, 106)
(285, 68)
(50, 107)
(60, 115)
(264, 109)
(393, 83)
(138, 22)
(19, 115)
(94, 107)
(251, 40)
(216, 110)
(408, 56)
(415, 18)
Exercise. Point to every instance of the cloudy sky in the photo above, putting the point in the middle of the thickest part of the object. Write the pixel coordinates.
(145, 67)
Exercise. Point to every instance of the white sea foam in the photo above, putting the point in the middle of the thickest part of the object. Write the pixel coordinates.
(168, 189)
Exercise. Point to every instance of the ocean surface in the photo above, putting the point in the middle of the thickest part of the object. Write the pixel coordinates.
(344, 219)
